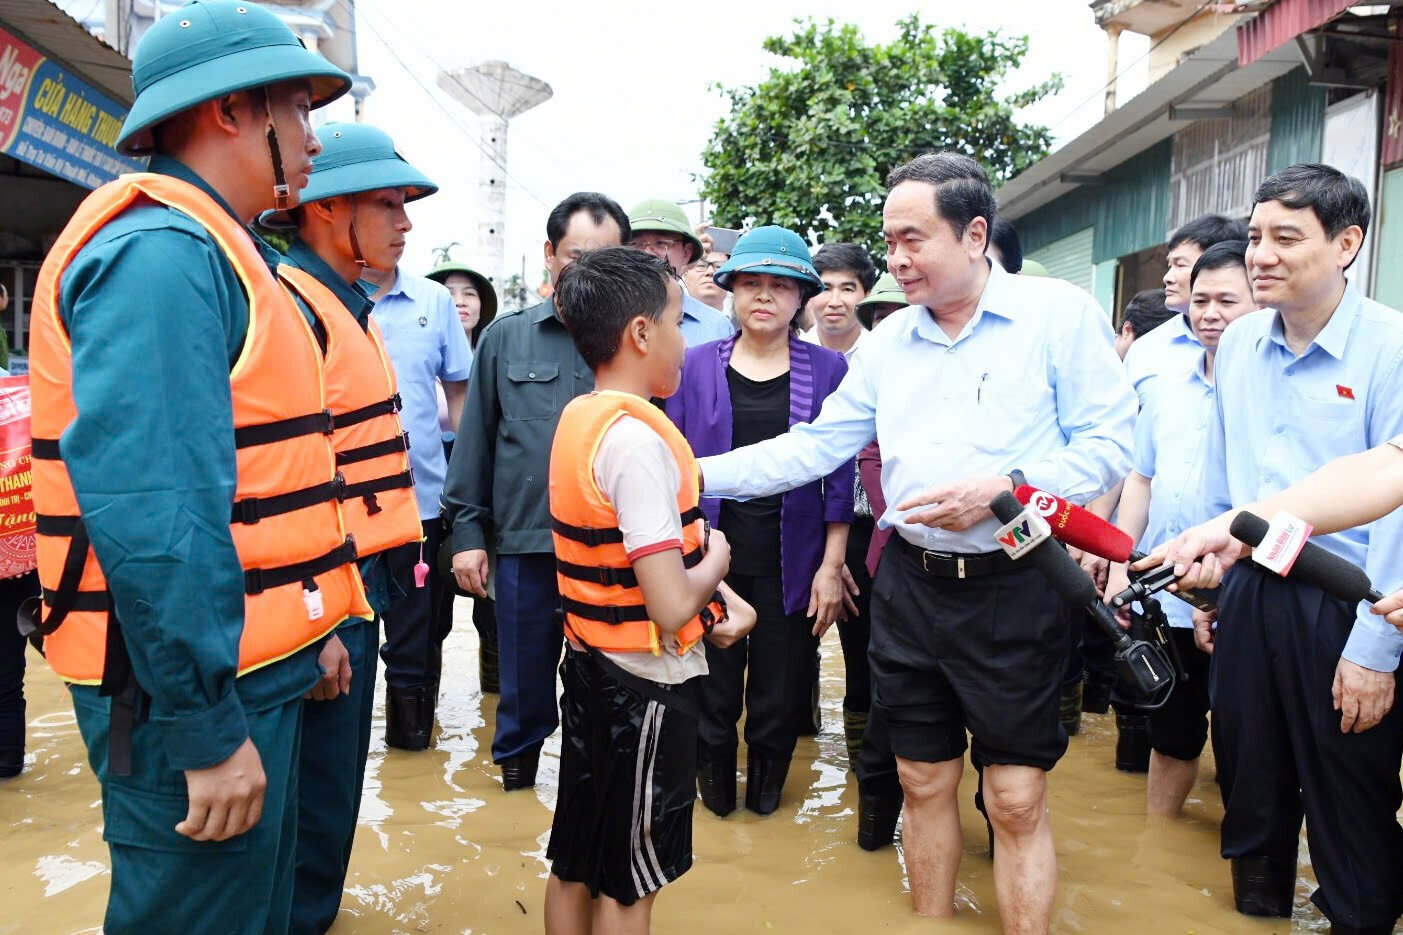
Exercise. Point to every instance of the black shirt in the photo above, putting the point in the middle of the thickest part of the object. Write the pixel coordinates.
(759, 411)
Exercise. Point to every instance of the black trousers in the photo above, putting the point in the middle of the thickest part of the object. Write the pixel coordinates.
(1281, 755)
(856, 633)
(413, 647)
(775, 696)
(12, 649)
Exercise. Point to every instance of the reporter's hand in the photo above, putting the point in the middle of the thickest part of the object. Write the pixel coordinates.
(740, 620)
(1117, 580)
(1204, 632)
(1362, 696)
(335, 664)
(956, 506)
(1391, 609)
(1200, 555)
(227, 799)
(1099, 569)
(470, 570)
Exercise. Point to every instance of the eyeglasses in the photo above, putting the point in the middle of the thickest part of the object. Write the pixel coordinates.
(703, 266)
(663, 245)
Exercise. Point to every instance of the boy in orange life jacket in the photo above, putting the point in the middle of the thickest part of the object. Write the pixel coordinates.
(638, 581)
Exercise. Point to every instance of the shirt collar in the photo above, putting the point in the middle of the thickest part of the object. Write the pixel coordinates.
(1333, 337)
(542, 312)
(169, 165)
(998, 298)
(398, 287)
(354, 295)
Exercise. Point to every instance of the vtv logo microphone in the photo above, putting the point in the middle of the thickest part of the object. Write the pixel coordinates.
(1023, 533)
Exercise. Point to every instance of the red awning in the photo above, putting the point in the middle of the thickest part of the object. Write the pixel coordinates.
(1282, 22)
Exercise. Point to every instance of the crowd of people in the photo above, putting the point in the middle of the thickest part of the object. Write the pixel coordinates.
(662, 485)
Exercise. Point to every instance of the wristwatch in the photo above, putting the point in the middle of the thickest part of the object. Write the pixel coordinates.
(1018, 479)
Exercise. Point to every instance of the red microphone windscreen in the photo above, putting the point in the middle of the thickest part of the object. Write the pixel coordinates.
(1077, 527)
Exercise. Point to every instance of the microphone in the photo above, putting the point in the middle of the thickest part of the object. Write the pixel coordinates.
(1083, 529)
(1025, 534)
(1311, 563)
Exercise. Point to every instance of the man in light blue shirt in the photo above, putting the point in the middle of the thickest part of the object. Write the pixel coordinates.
(985, 378)
(1303, 683)
(427, 345)
(660, 227)
(1172, 347)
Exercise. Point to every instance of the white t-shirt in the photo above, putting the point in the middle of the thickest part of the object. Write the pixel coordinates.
(635, 470)
(811, 336)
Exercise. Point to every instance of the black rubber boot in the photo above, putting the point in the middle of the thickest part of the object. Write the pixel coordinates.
(1096, 691)
(716, 780)
(1264, 886)
(764, 781)
(1132, 743)
(409, 717)
(815, 724)
(519, 772)
(854, 726)
(1364, 930)
(488, 672)
(876, 820)
(1069, 707)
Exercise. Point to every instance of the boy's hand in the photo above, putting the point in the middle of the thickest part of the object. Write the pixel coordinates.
(740, 619)
(718, 545)
(470, 569)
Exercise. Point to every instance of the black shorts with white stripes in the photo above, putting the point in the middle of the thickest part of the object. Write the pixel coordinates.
(628, 767)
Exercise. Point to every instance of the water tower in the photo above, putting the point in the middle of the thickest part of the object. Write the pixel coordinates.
(496, 92)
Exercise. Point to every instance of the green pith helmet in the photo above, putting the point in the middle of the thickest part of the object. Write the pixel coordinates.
(1033, 268)
(440, 274)
(776, 251)
(885, 291)
(211, 48)
(355, 157)
(659, 214)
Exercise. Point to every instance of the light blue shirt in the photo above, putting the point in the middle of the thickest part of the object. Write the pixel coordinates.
(1288, 415)
(426, 344)
(1169, 348)
(1169, 450)
(702, 323)
(1031, 382)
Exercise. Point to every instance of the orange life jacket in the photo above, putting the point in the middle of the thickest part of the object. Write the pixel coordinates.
(300, 580)
(372, 447)
(603, 604)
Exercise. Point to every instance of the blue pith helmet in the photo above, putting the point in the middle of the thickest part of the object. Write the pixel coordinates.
(211, 48)
(776, 251)
(355, 157)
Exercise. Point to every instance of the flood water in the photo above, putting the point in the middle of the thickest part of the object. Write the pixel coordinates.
(441, 848)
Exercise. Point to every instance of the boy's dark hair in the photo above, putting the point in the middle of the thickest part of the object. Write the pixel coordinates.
(599, 207)
(1208, 230)
(1230, 254)
(1005, 236)
(1337, 200)
(848, 258)
(601, 292)
(962, 189)
(1146, 312)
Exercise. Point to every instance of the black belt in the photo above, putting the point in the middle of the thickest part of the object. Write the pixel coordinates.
(958, 564)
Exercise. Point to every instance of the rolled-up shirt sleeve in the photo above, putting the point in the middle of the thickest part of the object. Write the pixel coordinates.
(152, 460)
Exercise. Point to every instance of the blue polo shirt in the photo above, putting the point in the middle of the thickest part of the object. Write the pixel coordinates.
(426, 344)
(1169, 450)
(1279, 417)
(701, 323)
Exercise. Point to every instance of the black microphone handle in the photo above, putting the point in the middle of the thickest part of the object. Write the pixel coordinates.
(1205, 599)
(1110, 625)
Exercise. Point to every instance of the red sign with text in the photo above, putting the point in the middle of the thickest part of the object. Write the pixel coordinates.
(16, 493)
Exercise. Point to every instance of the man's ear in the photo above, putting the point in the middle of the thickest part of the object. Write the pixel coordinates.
(549, 252)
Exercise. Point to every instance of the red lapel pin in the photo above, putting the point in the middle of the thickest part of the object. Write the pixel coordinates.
(1344, 392)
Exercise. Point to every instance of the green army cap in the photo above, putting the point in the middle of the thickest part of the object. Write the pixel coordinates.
(663, 216)
(211, 48)
(441, 272)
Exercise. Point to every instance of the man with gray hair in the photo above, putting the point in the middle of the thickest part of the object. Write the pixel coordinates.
(1024, 387)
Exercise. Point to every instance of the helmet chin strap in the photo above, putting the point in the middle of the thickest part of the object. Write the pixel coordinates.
(355, 242)
(282, 195)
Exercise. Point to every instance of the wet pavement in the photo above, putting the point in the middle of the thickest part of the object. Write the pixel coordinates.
(441, 848)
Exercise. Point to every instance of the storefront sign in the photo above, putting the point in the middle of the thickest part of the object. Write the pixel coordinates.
(17, 523)
(53, 120)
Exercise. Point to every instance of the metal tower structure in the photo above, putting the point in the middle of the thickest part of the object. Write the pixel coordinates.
(496, 92)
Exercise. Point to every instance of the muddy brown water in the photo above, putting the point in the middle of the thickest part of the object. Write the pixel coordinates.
(441, 848)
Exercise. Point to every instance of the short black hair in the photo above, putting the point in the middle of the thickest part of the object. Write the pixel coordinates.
(1005, 237)
(601, 292)
(962, 189)
(1146, 312)
(1339, 201)
(1208, 230)
(599, 207)
(1228, 254)
(850, 258)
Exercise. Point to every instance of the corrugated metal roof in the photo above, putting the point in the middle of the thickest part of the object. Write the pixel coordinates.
(1209, 76)
(1282, 22)
(63, 39)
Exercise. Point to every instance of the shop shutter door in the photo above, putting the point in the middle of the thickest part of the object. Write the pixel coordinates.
(1069, 258)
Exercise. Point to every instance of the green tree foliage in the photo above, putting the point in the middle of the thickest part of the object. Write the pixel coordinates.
(810, 146)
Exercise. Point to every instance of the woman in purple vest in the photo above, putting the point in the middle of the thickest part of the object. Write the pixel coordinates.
(787, 551)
